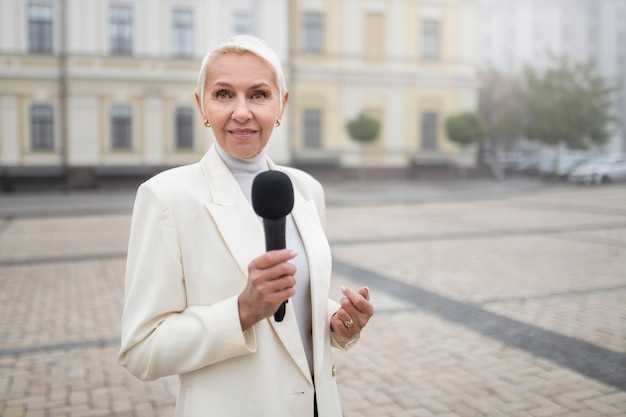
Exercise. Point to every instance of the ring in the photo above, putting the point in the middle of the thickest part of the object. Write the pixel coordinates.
(348, 323)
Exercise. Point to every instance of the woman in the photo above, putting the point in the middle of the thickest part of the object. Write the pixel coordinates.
(201, 292)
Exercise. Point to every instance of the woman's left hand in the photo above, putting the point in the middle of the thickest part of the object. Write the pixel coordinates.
(353, 315)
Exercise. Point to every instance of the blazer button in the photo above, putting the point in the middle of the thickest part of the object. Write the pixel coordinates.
(334, 370)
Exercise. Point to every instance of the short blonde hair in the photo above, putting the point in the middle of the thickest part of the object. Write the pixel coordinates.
(241, 44)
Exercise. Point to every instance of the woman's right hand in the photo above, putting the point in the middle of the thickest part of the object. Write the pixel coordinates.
(270, 282)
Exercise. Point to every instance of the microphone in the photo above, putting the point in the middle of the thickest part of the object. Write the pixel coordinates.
(272, 199)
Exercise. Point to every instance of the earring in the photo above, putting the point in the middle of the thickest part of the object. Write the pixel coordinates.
(277, 123)
(206, 123)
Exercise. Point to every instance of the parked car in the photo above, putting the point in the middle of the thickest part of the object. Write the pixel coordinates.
(560, 165)
(533, 164)
(567, 164)
(600, 171)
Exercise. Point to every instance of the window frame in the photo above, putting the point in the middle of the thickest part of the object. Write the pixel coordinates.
(251, 22)
(178, 113)
(121, 42)
(114, 118)
(182, 35)
(428, 53)
(33, 23)
(427, 145)
(371, 20)
(37, 137)
(308, 42)
(306, 132)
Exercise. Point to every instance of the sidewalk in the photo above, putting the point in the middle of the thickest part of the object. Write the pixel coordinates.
(57, 203)
(484, 305)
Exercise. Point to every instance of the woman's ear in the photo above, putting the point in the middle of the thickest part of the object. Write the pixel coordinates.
(199, 107)
(282, 110)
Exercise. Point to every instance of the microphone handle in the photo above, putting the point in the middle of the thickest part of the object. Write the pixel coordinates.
(275, 240)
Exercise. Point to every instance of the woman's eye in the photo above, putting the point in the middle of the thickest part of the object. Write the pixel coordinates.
(258, 95)
(223, 94)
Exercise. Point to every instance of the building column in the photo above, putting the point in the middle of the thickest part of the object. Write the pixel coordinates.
(153, 132)
(83, 133)
(9, 131)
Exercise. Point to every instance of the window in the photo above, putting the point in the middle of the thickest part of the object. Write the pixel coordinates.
(243, 23)
(429, 132)
(374, 35)
(312, 123)
(121, 30)
(430, 39)
(121, 130)
(39, 28)
(184, 128)
(312, 32)
(182, 32)
(41, 127)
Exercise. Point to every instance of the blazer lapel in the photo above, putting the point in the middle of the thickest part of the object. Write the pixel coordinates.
(287, 331)
(318, 253)
(243, 234)
(240, 227)
(305, 217)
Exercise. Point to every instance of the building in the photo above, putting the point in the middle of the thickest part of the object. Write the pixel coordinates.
(526, 32)
(407, 63)
(106, 87)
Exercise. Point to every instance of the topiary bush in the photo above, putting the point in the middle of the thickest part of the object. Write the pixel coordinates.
(363, 129)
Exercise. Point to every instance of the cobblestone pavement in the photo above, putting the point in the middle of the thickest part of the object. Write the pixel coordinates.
(485, 306)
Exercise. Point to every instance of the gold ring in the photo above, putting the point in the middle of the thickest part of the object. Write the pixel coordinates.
(348, 323)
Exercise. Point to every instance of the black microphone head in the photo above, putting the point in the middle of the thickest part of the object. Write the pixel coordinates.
(272, 195)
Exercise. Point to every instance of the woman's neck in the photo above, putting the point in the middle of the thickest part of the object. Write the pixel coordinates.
(255, 164)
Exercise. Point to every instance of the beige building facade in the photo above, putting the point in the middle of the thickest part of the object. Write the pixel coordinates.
(107, 84)
(407, 63)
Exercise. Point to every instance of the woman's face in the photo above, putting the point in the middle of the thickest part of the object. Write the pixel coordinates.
(241, 102)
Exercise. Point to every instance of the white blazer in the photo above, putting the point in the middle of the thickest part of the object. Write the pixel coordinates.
(193, 234)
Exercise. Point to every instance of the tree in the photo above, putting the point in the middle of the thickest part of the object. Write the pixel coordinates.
(363, 129)
(569, 104)
(465, 128)
(501, 105)
(468, 128)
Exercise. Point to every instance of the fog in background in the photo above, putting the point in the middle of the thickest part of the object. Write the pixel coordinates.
(472, 158)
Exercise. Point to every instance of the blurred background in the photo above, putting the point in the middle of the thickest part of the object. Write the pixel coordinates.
(472, 156)
(95, 89)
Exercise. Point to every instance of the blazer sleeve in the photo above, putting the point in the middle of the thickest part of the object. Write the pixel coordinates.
(161, 335)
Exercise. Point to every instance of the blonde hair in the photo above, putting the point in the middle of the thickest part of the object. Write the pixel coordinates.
(241, 44)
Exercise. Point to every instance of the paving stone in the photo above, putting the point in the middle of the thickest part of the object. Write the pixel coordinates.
(14, 411)
(524, 258)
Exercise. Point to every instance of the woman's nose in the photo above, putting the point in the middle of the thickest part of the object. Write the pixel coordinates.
(241, 113)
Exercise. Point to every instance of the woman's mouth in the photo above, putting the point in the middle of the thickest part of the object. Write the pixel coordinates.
(243, 133)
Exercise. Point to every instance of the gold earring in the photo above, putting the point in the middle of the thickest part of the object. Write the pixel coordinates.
(206, 123)
(277, 123)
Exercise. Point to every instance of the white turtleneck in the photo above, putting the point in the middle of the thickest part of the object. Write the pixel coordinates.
(244, 171)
